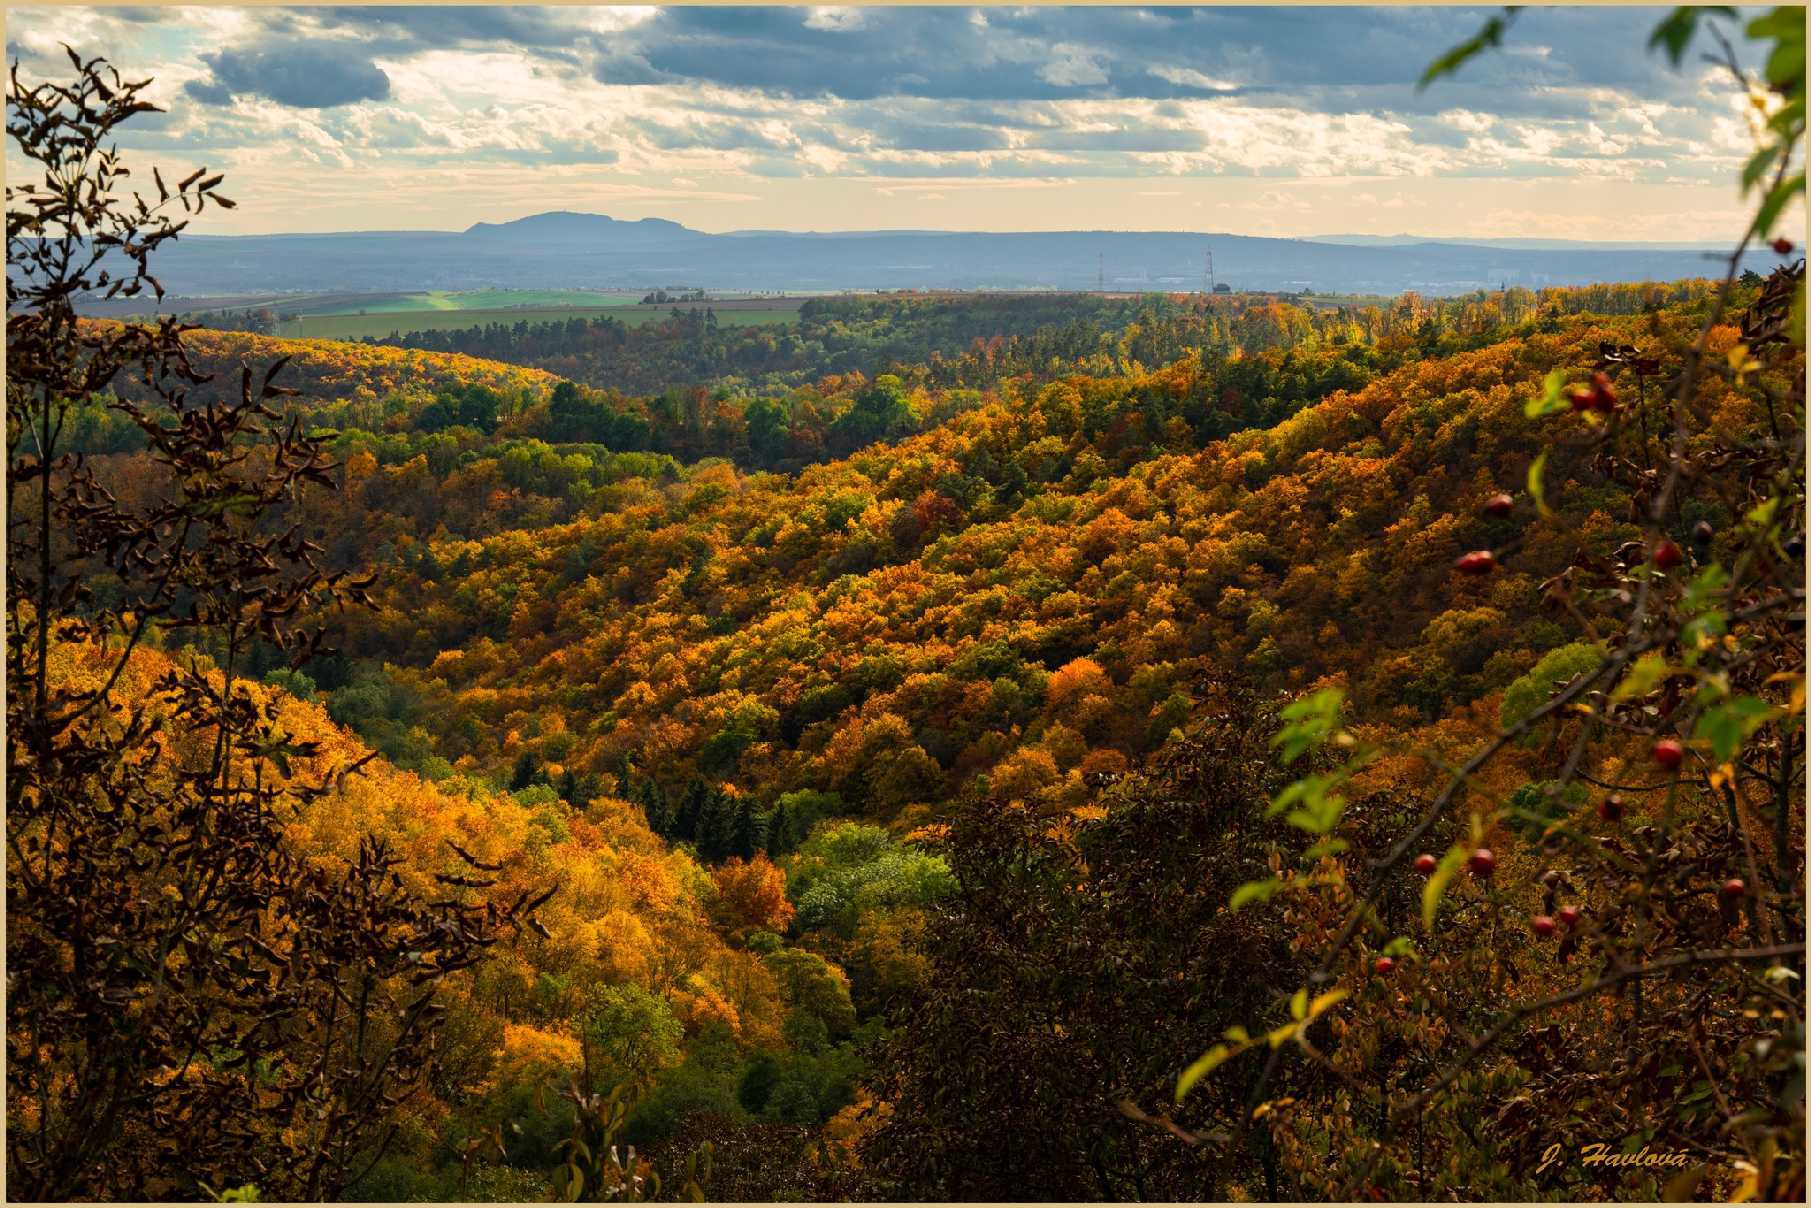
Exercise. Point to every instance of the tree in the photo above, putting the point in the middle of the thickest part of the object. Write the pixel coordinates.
(751, 895)
(630, 1035)
(1687, 704)
(1074, 966)
(877, 412)
(192, 1004)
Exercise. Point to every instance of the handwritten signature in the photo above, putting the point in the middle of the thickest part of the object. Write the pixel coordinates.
(1598, 1154)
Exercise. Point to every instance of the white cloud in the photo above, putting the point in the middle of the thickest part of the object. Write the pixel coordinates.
(1466, 120)
(836, 18)
(495, 115)
(1191, 78)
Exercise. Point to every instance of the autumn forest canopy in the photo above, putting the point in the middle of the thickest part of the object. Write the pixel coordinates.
(1177, 746)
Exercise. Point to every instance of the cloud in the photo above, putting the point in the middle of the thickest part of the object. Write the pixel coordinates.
(208, 93)
(1070, 66)
(304, 75)
(836, 18)
(735, 96)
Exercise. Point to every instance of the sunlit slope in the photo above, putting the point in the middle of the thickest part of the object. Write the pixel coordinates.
(1030, 590)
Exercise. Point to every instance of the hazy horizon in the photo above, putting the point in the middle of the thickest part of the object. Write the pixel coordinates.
(1367, 238)
(1270, 122)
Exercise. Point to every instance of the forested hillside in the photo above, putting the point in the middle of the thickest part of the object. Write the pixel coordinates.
(980, 339)
(1037, 588)
(1058, 569)
(1055, 748)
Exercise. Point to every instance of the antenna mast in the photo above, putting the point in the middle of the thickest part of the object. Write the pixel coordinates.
(1100, 272)
(1210, 272)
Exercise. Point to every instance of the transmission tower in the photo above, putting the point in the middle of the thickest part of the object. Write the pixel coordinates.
(1210, 273)
(1100, 272)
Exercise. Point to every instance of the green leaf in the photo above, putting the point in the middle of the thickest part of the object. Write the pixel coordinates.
(1758, 164)
(1435, 889)
(1318, 815)
(1309, 790)
(1537, 484)
(1647, 674)
(1725, 725)
(1786, 65)
(1324, 1001)
(1776, 201)
(1550, 401)
(1309, 722)
(1206, 1064)
(1779, 23)
(221, 505)
(1487, 38)
(1675, 33)
(1703, 586)
(1254, 891)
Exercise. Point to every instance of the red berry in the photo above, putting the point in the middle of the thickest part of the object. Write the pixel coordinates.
(1783, 246)
(1733, 888)
(1426, 864)
(1500, 505)
(1543, 926)
(1667, 555)
(1478, 562)
(1568, 915)
(1483, 862)
(1610, 808)
(1669, 753)
(1604, 396)
(1384, 964)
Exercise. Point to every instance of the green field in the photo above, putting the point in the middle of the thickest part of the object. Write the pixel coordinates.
(381, 319)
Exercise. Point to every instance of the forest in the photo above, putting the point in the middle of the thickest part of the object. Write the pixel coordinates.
(947, 747)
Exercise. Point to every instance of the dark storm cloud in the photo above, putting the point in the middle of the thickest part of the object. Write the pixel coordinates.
(303, 75)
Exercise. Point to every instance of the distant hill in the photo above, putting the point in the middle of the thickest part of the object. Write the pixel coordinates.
(563, 249)
(565, 226)
(1705, 245)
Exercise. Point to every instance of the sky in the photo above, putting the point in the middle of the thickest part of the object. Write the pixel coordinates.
(1238, 120)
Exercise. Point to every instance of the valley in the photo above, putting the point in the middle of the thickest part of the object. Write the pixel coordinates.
(779, 642)
(842, 680)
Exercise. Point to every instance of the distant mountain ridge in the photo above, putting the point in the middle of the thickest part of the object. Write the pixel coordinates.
(568, 224)
(565, 249)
